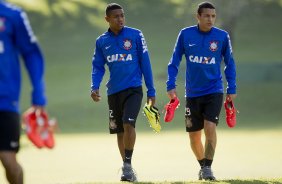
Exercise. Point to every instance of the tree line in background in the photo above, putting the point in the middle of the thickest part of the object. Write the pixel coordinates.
(90, 12)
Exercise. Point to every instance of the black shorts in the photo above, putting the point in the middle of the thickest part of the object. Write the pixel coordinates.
(9, 131)
(202, 108)
(124, 107)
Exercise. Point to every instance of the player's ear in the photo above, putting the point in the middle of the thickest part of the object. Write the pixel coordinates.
(107, 18)
(198, 16)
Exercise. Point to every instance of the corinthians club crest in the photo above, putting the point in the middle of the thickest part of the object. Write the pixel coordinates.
(213, 46)
(112, 124)
(127, 44)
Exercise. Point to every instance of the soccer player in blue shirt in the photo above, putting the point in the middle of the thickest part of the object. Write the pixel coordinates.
(16, 37)
(125, 52)
(204, 47)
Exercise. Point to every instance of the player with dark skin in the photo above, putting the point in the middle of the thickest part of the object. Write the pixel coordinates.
(17, 39)
(125, 52)
(127, 139)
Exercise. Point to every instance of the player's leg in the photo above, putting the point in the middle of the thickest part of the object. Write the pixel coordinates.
(121, 145)
(9, 146)
(14, 172)
(198, 149)
(194, 124)
(115, 121)
(196, 144)
(211, 139)
(210, 145)
(129, 138)
(132, 105)
(213, 104)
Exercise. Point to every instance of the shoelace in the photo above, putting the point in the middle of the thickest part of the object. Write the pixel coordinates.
(231, 110)
(208, 171)
(232, 113)
(120, 170)
(167, 107)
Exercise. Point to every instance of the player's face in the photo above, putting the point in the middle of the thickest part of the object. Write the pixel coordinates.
(116, 20)
(207, 19)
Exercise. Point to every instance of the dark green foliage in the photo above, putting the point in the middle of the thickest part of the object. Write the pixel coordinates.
(68, 41)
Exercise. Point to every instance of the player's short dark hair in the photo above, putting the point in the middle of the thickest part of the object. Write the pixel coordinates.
(203, 5)
(112, 6)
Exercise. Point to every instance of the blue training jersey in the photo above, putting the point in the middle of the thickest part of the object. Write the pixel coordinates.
(127, 57)
(204, 52)
(17, 38)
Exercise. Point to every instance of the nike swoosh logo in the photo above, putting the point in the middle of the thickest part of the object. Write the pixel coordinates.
(191, 45)
(107, 47)
(130, 119)
(14, 144)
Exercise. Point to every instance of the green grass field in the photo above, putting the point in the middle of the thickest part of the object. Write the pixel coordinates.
(85, 153)
(241, 156)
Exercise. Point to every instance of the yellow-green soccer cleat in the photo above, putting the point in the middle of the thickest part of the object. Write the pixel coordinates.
(153, 116)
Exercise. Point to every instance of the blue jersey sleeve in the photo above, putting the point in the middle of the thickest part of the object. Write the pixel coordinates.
(145, 65)
(33, 59)
(175, 62)
(98, 67)
(230, 68)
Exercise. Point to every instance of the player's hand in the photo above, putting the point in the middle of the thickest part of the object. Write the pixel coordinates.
(36, 108)
(95, 95)
(230, 97)
(171, 93)
(152, 100)
(38, 111)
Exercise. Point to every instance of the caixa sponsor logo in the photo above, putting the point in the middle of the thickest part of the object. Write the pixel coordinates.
(202, 59)
(119, 57)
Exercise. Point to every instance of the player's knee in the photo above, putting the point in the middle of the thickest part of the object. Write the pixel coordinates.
(128, 128)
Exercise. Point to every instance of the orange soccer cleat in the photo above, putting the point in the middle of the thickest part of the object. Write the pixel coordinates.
(33, 127)
(230, 113)
(39, 128)
(170, 109)
(47, 134)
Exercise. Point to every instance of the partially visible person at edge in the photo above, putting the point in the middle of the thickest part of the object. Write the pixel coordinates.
(125, 52)
(16, 38)
(204, 46)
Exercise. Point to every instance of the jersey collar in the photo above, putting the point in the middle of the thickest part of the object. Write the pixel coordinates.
(202, 32)
(112, 33)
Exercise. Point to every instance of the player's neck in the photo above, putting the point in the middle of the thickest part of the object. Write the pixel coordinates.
(115, 31)
(204, 29)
